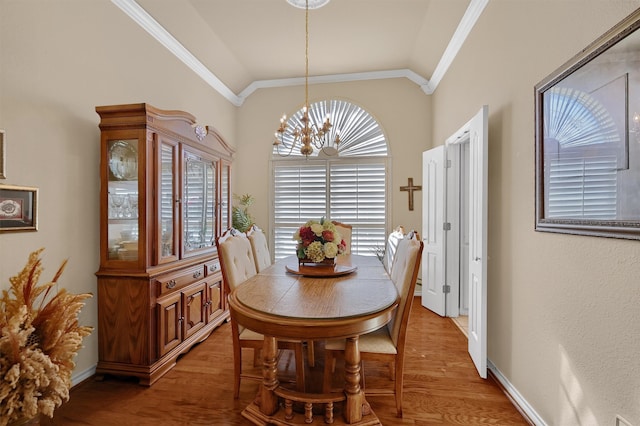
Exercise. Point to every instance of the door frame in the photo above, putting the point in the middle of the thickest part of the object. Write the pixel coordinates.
(453, 217)
(474, 134)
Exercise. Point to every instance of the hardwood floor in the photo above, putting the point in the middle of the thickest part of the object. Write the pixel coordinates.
(441, 387)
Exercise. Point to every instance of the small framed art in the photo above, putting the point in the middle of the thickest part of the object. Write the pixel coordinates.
(18, 208)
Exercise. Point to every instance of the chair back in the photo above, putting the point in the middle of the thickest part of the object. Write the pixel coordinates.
(236, 258)
(392, 245)
(404, 274)
(259, 247)
(345, 232)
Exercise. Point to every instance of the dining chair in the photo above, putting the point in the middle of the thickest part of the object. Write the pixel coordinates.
(391, 247)
(345, 231)
(259, 247)
(237, 265)
(262, 258)
(387, 343)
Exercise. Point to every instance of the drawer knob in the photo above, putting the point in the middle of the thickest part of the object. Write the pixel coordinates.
(171, 284)
(213, 268)
(197, 274)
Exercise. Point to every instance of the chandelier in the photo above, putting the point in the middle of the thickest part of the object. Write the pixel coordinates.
(306, 134)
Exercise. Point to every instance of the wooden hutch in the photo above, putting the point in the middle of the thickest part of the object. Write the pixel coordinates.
(164, 198)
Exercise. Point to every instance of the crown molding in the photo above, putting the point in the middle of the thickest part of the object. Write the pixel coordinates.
(467, 22)
(149, 24)
(333, 78)
(157, 31)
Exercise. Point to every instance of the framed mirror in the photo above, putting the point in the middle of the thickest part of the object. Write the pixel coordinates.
(587, 139)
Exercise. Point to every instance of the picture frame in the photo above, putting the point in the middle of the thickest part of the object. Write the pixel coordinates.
(587, 139)
(3, 153)
(18, 208)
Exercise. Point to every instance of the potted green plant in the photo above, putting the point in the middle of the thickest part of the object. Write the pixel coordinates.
(240, 216)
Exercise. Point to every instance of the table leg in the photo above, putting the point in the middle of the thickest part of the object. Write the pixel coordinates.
(355, 396)
(268, 399)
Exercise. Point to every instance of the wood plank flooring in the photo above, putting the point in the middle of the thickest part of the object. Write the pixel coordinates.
(441, 387)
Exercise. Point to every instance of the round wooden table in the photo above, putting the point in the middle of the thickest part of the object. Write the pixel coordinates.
(282, 305)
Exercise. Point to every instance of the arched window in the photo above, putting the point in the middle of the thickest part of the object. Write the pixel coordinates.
(583, 152)
(348, 185)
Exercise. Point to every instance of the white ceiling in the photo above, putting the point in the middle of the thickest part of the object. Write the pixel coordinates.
(238, 46)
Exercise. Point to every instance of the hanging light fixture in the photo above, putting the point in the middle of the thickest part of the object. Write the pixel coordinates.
(311, 4)
(306, 134)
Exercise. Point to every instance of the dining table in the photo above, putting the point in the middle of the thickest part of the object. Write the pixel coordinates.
(294, 301)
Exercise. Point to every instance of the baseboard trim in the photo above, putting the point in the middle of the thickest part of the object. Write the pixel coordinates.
(83, 375)
(517, 400)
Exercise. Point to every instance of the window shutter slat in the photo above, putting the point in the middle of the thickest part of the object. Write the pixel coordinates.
(583, 187)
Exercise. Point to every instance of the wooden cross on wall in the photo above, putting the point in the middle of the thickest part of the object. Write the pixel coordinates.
(410, 188)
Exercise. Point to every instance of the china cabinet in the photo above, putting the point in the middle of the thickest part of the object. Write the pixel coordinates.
(165, 198)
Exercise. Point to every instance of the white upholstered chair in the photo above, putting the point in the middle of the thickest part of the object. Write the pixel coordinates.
(260, 247)
(386, 344)
(262, 257)
(391, 247)
(345, 231)
(238, 265)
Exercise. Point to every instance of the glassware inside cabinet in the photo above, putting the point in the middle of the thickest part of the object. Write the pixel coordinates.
(123, 209)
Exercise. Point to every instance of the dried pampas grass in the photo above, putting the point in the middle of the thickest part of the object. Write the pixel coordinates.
(40, 338)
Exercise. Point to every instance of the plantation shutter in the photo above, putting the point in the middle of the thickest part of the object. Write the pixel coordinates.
(349, 192)
(300, 194)
(583, 188)
(358, 197)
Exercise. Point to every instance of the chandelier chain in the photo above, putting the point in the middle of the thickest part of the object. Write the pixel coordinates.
(308, 135)
(306, 57)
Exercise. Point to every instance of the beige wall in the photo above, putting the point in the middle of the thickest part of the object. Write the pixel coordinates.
(562, 310)
(401, 107)
(58, 60)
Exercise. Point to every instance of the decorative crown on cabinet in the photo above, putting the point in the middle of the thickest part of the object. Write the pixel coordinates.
(165, 197)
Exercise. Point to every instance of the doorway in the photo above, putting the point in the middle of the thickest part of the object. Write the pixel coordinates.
(455, 231)
(458, 191)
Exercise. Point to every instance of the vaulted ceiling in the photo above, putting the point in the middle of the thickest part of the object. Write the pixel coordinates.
(239, 46)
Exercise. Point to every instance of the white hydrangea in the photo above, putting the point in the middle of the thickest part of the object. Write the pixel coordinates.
(330, 250)
(317, 229)
(315, 251)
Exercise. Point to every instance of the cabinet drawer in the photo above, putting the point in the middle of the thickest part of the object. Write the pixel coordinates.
(212, 267)
(171, 282)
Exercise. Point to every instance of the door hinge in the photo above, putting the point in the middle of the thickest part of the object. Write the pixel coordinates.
(446, 226)
(446, 288)
(447, 164)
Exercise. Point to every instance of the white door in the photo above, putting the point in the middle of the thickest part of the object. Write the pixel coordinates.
(478, 212)
(441, 248)
(433, 211)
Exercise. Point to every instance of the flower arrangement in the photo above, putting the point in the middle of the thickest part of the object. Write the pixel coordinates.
(39, 340)
(318, 240)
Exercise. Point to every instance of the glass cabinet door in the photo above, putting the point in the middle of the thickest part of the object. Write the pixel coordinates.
(167, 202)
(198, 204)
(123, 208)
(225, 198)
